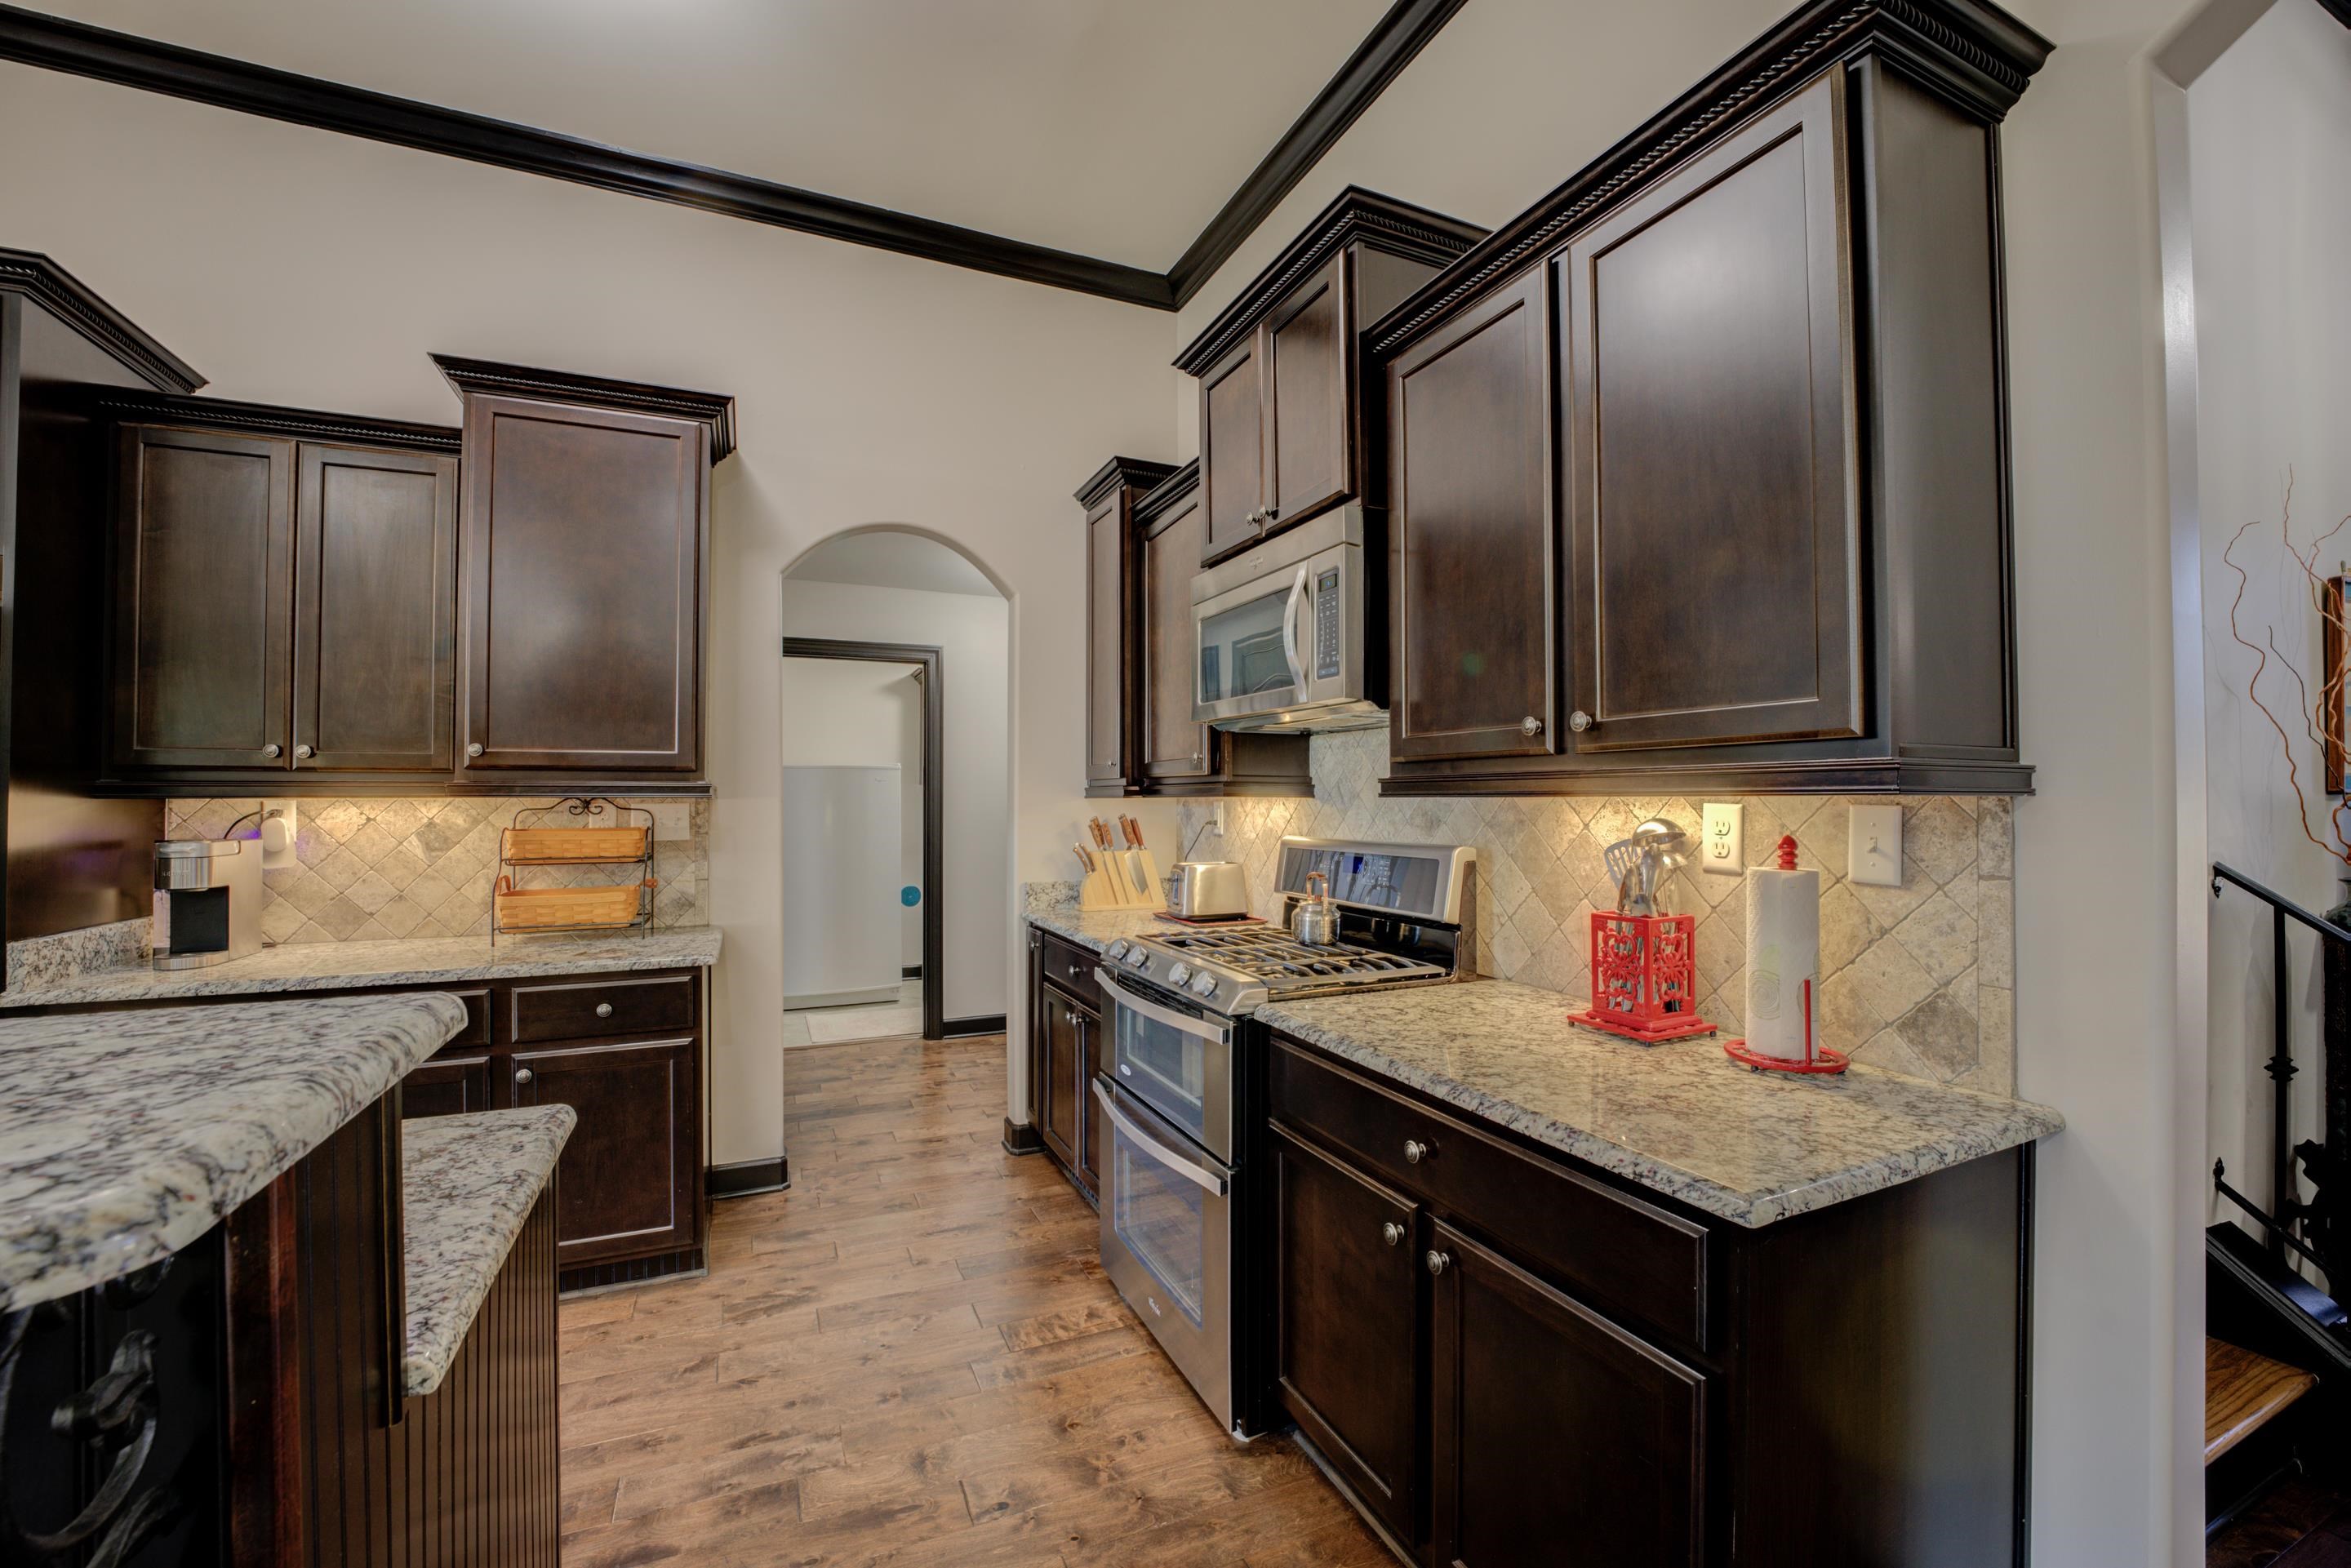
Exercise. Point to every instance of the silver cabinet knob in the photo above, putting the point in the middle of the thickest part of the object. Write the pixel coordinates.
(1438, 1262)
(1578, 721)
(1269, 514)
(270, 750)
(1415, 1151)
(473, 748)
(522, 1075)
(603, 1009)
(1393, 1231)
(301, 751)
(1530, 725)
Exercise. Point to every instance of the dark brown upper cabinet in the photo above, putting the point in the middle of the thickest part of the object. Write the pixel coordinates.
(1114, 645)
(1696, 472)
(1474, 544)
(1142, 549)
(1283, 431)
(583, 575)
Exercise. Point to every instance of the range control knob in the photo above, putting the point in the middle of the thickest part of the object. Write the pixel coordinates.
(1203, 984)
(1179, 973)
(1117, 951)
(1136, 957)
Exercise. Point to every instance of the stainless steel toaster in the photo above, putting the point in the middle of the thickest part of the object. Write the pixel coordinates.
(1205, 889)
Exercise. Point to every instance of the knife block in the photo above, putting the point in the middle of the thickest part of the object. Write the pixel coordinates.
(1104, 890)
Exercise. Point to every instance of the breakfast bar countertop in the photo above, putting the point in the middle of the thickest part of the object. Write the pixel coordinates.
(126, 1135)
(1679, 1118)
(469, 1182)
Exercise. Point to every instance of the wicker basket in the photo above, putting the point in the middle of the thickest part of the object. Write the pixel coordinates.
(572, 846)
(566, 908)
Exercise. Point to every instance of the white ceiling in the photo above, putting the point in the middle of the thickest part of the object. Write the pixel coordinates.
(888, 560)
(1112, 128)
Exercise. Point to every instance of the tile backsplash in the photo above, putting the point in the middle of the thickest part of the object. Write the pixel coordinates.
(1917, 978)
(370, 870)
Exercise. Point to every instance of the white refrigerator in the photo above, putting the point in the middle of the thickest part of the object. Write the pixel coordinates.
(842, 869)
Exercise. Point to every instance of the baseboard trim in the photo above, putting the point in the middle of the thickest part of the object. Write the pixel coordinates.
(744, 1178)
(982, 1023)
(1022, 1138)
(630, 1271)
(911, 972)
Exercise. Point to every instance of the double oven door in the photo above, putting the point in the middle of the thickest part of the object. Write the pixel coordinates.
(1170, 1179)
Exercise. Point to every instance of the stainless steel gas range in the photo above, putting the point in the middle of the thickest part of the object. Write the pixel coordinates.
(1185, 1227)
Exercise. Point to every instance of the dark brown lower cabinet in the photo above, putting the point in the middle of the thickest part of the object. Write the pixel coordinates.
(1548, 1422)
(628, 1186)
(1508, 1357)
(1348, 1335)
(1067, 1046)
(447, 1086)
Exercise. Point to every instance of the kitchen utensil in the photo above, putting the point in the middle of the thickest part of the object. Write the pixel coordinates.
(1314, 920)
(1784, 971)
(1657, 850)
(1206, 889)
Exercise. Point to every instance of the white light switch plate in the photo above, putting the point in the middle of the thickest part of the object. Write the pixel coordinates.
(1722, 844)
(274, 811)
(1873, 846)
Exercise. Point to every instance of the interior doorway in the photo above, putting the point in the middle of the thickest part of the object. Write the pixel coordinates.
(864, 804)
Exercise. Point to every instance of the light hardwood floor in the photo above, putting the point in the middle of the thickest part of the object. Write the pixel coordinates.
(911, 1358)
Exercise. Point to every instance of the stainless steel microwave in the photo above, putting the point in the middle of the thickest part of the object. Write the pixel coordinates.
(1282, 635)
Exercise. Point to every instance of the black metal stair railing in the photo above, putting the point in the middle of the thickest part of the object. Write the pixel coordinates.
(2287, 1222)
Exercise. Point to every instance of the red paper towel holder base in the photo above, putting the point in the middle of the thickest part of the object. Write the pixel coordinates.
(1817, 1058)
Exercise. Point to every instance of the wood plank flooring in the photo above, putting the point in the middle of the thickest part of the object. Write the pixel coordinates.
(911, 1358)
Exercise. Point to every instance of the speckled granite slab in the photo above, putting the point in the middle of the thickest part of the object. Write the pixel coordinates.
(1679, 1118)
(338, 965)
(469, 1185)
(124, 1136)
(1098, 929)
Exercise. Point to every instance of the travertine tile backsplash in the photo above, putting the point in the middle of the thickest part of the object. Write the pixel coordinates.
(372, 870)
(1917, 978)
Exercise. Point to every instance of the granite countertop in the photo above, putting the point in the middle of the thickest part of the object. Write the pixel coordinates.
(124, 1136)
(1678, 1118)
(469, 1182)
(338, 965)
(1098, 929)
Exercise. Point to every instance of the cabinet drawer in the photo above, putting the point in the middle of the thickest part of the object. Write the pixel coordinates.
(583, 1009)
(476, 1033)
(1071, 967)
(1614, 1250)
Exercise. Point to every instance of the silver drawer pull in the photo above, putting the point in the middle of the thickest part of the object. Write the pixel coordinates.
(522, 1075)
(301, 751)
(603, 1009)
(1415, 1151)
(473, 748)
(1393, 1231)
(1438, 1261)
(270, 749)
(1579, 721)
(1530, 725)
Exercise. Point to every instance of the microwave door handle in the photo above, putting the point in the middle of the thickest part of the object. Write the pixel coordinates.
(1153, 1011)
(1161, 1151)
(1290, 625)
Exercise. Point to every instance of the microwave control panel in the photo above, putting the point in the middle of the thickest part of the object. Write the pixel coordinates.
(1326, 626)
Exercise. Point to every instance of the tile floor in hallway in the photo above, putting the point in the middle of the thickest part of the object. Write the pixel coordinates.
(797, 1020)
(911, 1358)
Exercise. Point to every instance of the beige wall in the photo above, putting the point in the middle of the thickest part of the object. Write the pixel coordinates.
(296, 267)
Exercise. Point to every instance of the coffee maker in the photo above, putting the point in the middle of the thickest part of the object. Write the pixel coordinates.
(207, 901)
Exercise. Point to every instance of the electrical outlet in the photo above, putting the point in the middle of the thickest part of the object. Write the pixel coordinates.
(1217, 822)
(1722, 844)
(1873, 846)
(279, 826)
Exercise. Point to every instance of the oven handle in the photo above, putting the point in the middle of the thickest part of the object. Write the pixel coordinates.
(1166, 1152)
(1290, 626)
(1155, 1013)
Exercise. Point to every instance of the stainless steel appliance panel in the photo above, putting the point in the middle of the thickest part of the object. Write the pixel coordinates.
(1279, 635)
(1178, 1062)
(1166, 1242)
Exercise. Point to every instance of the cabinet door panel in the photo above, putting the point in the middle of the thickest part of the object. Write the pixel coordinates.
(1306, 354)
(1473, 535)
(1108, 624)
(1174, 745)
(581, 587)
(1232, 449)
(1092, 1059)
(374, 609)
(1346, 1352)
(204, 554)
(446, 1086)
(1715, 493)
(631, 1176)
(1549, 1423)
(1061, 1051)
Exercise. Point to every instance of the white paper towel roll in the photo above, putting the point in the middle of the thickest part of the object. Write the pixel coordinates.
(1783, 960)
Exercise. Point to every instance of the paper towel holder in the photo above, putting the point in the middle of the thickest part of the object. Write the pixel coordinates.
(1817, 1058)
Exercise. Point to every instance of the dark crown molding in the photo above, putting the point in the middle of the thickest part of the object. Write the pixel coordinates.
(301, 423)
(73, 302)
(1138, 471)
(1413, 231)
(1390, 46)
(54, 43)
(716, 411)
(1167, 492)
(1969, 52)
(2339, 9)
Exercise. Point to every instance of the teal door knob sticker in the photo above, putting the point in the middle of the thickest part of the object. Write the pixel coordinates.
(910, 895)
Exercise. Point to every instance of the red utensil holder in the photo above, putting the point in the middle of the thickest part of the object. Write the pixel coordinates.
(1645, 977)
